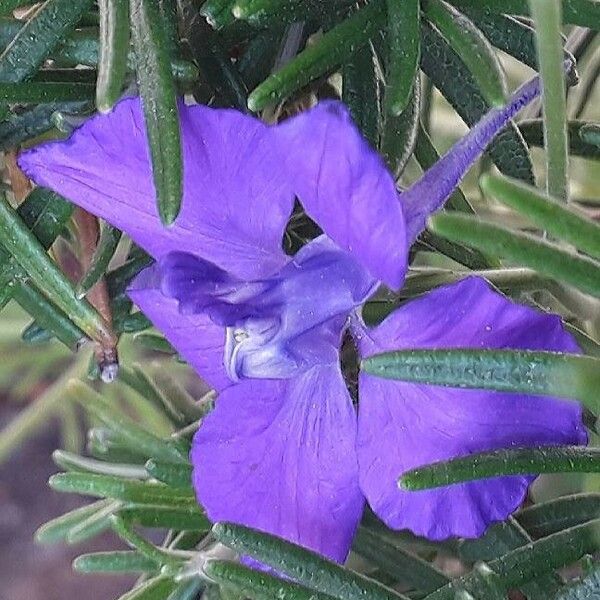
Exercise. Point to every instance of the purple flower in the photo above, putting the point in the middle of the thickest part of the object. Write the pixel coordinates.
(283, 450)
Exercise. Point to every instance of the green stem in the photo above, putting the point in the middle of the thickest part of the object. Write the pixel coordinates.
(547, 17)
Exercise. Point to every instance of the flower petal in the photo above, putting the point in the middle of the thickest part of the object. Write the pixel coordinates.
(279, 456)
(195, 337)
(345, 187)
(403, 426)
(429, 193)
(236, 201)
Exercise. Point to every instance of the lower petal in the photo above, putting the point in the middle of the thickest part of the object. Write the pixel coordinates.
(195, 337)
(279, 456)
(403, 426)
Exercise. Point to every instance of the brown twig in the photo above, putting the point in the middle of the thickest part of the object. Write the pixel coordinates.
(106, 349)
(19, 183)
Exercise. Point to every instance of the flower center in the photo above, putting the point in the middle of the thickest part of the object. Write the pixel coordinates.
(276, 326)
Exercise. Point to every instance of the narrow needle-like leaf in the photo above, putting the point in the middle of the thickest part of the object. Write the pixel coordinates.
(547, 16)
(521, 248)
(548, 214)
(157, 89)
(473, 48)
(257, 585)
(330, 51)
(518, 371)
(404, 52)
(114, 562)
(508, 461)
(114, 45)
(44, 272)
(304, 566)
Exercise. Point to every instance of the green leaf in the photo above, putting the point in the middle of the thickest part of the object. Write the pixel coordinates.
(143, 546)
(258, 59)
(304, 566)
(114, 45)
(400, 133)
(497, 541)
(157, 588)
(404, 38)
(154, 342)
(105, 486)
(547, 17)
(175, 394)
(188, 590)
(360, 93)
(105, 250)
(519, 371)
(159, 102)
(46, 214)
(590, 134)
(36, 93)
(472, 47)
(106, 445)
(219, 74)
(419, 281)
(258, 12)
(44, 272)
(473, 259)
(555, 515)
(575, 12)
(392, 558)
(94, 525)
(46, 315)
(132, 323)
(580, 143)
(36, 334)
(531, 561)
(510, 35)
(38, 37)
(521, 248)
(180, 518)
(175, 475)
(57, 529)
(509, 461)
(163, 392)
(257, 585)
(18, 128)
(114, 562)
(218, 12)
(562, 222)
(127, 429)
(334, 48)
(119, 279)
(73, 462)
(454, 81)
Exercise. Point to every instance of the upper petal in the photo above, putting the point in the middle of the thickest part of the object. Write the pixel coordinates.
(279, 456)
(430, 192)
(403, 426)
(197, 339)
(345, 187)
(236, 200)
